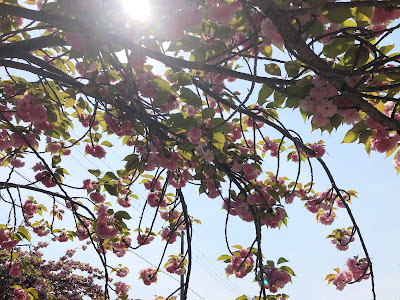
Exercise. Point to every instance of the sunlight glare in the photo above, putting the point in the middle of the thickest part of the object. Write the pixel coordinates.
(138, 10)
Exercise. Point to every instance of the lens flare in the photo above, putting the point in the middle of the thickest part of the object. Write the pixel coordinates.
(138, 10)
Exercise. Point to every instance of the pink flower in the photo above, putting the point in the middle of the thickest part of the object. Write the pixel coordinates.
(269, 30)
(168, 235)
(97, 197)
(318, 149)
(105, 231)
(326, 218)
(326, 109)
(63, 237)
(122, 272)
(95, 150)
(75, 39)
(17, 163)
(194, 135)
(148, 276)
(54, 147)
(124, 202)
(15, 270)
(142, 239)
(222, 12)
(381, 16)
(137, 60)
(320, 121)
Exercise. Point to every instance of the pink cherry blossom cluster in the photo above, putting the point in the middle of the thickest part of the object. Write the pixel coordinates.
(203, 151)
(269, 30)
(50, 279)
(121, 288)
(154, 199)
(29, 209)
(46, 179)
(82, 230)
(358, 270)
(124, 129)
(95, 150)
(341, 238)
(270, 146)
(104, 226)
(124, 201)
(276, 279)
(87, 120)
(41, 230)
(143, 239)
(241, 264)
(179, 179)
(76, 40)
(90, 185)
(221, 11)
(20, 294)
(148, 276)
(120, 246)
(178, 16)
(382, 16)
(175, 265)
(85, 71)
(169, 235)
(324, 102)
(29, 109)
(262, 201)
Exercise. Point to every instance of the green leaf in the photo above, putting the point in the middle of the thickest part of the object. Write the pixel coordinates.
(132, 164)
(287, 270)
(316, 28)
(282, 260)
(111, 189)
(24, 233)
(350, 137)
(338, 15)
(33, 293)
(273, 69)
(353, 134)
(107, 143)
(220, 125)
(224, 257)
(161, 98)
(244, 297)
(161, 84)
(207, 113)
(119, 215)
(237, 247)
(330, 276)
(264, 94)
(95, 172)
(337, 47)
(69, 102)
(219, 140)
(190, 97)
(292, 67)
(110, 176)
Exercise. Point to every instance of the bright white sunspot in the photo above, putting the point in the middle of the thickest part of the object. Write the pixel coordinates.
(138, 10)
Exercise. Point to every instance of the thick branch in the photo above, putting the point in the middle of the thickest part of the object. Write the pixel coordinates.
(56, 20)
(333, 5)
(9, 49)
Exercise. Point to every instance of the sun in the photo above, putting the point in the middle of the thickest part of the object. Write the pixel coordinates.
(138, 10)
